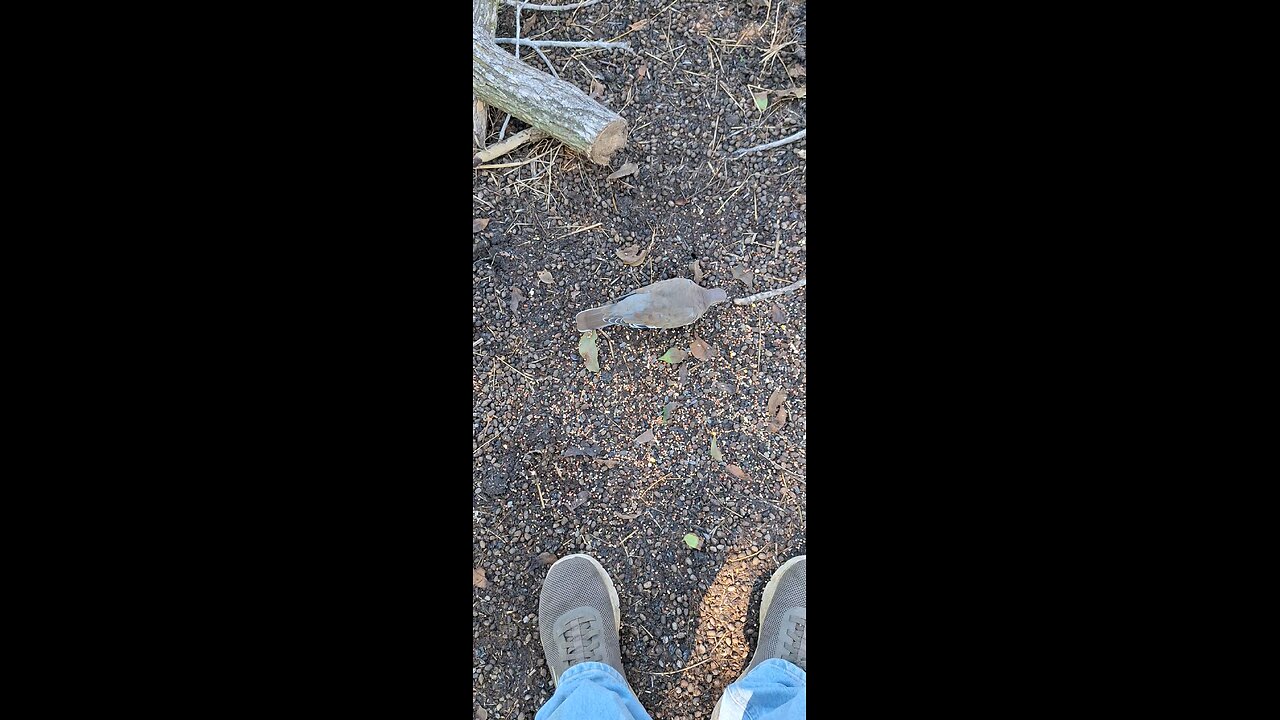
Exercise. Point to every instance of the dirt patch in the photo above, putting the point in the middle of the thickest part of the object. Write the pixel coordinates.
(556, 467)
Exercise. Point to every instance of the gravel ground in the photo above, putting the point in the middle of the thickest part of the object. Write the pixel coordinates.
(689, 616)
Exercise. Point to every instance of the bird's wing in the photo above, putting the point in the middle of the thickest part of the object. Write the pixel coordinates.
(645, 289)
(667, 307)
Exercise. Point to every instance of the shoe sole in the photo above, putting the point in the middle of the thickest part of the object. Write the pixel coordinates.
(769, 589)
(613, 600)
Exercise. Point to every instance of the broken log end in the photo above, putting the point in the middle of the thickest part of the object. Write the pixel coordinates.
(609, 141)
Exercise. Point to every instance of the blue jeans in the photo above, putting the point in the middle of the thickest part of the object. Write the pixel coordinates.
(595, 691)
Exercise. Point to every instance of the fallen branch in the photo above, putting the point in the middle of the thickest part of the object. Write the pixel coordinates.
(771, 293)
(484, 13)
(499, 149)
(769, 146)
(503, 132)
(531, 6)
(560, 109)
(522, 42)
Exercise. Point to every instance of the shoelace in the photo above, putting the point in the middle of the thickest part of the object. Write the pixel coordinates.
(581, 641)
(796, 646)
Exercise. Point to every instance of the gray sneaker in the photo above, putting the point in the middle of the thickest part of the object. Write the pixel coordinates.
(578, 615)
(782, 620)
(783, 623)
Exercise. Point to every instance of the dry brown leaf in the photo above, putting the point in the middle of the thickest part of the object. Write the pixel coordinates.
(477, 578)
(698, 348)
(645, 437)
(597, 89)
(582, 498)
(545, 277)
(703, 350)
(627, 516)
(747, 277)
(778, 421)
(608, 464)
(544, 558)
(797, 71)
(478, 224)
(641, 72)
(638, 25)
(517, 297)
(778, 397)
(625, 170)
(777, 314)
(631, 254)
(737, 472)
(798, 92)
(697, 271)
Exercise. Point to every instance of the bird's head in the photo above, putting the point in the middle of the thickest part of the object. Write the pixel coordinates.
(716, 295)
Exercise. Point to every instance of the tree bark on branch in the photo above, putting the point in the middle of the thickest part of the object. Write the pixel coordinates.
(484, 15)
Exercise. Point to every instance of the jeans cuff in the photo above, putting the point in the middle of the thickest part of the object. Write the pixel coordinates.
(790, 668)
(588, 667)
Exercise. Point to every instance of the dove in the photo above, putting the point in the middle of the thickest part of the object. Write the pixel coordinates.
(665, 304)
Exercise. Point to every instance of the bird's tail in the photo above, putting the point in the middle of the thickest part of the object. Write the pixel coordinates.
(593, 319)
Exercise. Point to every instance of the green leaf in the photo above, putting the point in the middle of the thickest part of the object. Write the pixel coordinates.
(587, 348)
(715, 450)
(762, 99)
(666, 410)
(693, 541)
(675, 356)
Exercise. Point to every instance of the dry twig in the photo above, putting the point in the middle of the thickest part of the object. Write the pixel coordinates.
(769, 146)
(530, 6)
(499, 149)
(565, 43)
(771, 293)
(547, 60)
